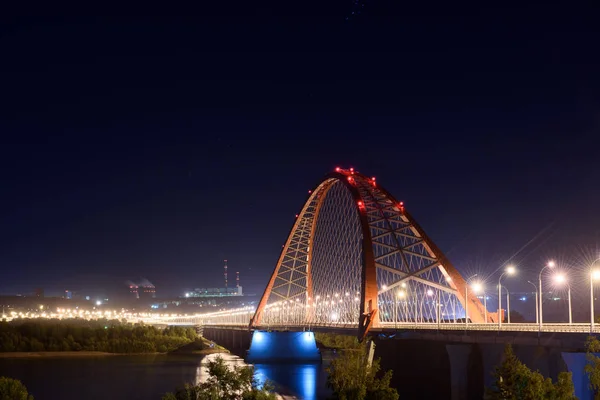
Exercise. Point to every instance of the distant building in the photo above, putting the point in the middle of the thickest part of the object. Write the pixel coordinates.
(68, 294)
(39, 292)
(215, 292)
(147, 292)
(133, 292)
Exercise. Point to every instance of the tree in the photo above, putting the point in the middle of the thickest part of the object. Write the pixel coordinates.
(515, 381)
(592, 368)
(351, 378)
(13, 389)
(237, 383)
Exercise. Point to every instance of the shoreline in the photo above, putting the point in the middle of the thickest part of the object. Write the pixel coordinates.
(49, 354)
(33, 354)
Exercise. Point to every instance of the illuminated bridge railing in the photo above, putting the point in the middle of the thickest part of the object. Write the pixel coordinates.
(240, 318)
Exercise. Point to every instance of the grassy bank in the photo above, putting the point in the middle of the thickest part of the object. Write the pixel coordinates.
(99, 336)
(36, 354)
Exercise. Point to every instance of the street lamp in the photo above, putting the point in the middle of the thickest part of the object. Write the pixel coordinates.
(510, 270)
(507, 304)
(594, 275)
(467, 300)
(477, 288)
(431, 293)
(401, 295)
(537, 318)
(560, 279)
(550, 264)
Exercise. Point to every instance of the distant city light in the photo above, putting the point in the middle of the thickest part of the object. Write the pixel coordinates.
(99, 302)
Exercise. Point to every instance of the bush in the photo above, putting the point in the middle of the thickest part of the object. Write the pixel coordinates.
(334, 341)
(351, 378)
(12, 389)
(237, 383)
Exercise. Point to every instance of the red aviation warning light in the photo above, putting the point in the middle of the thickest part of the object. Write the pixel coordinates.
(337, 169)
(352, 170)
(361, 205)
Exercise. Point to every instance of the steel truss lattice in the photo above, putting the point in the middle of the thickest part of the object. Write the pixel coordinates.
(355, 256)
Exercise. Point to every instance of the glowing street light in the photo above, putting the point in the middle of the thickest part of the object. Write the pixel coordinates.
(562, 279)
(510, 270)
(550, 264)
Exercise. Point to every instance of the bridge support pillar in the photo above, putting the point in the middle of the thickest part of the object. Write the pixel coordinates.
(492, 354)
(459, 369)
(274, 347)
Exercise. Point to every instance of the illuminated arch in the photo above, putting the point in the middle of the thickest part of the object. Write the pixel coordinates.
(369, 251)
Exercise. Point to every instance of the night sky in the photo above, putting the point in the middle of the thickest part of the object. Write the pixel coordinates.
(156, 147)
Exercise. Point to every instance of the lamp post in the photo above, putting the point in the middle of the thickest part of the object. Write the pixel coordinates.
(537, 318)
(396, 312)
(560, 279)
(507, 304)
(594, 274)
(401, 295)
(478, 288)
(434, 296)
(550, 264)
(467, 300)
(510, 270)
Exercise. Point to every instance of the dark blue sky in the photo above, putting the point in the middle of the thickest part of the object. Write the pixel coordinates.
(158, 146)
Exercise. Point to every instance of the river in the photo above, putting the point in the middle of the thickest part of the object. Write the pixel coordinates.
(146, 377)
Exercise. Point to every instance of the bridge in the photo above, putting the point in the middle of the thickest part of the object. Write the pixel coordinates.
(356, 259)
(356, 262)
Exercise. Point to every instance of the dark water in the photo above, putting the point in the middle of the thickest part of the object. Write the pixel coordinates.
(144, 377)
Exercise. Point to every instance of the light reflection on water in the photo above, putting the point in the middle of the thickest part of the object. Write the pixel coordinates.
(146, 377)
(304, 381)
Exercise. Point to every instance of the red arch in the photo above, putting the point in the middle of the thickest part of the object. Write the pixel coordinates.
(369, 288)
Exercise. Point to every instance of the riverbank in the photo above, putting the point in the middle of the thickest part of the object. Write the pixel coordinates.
(34, 354)
(197, 347)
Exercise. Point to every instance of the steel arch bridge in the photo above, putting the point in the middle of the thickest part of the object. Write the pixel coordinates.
(356, 258)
